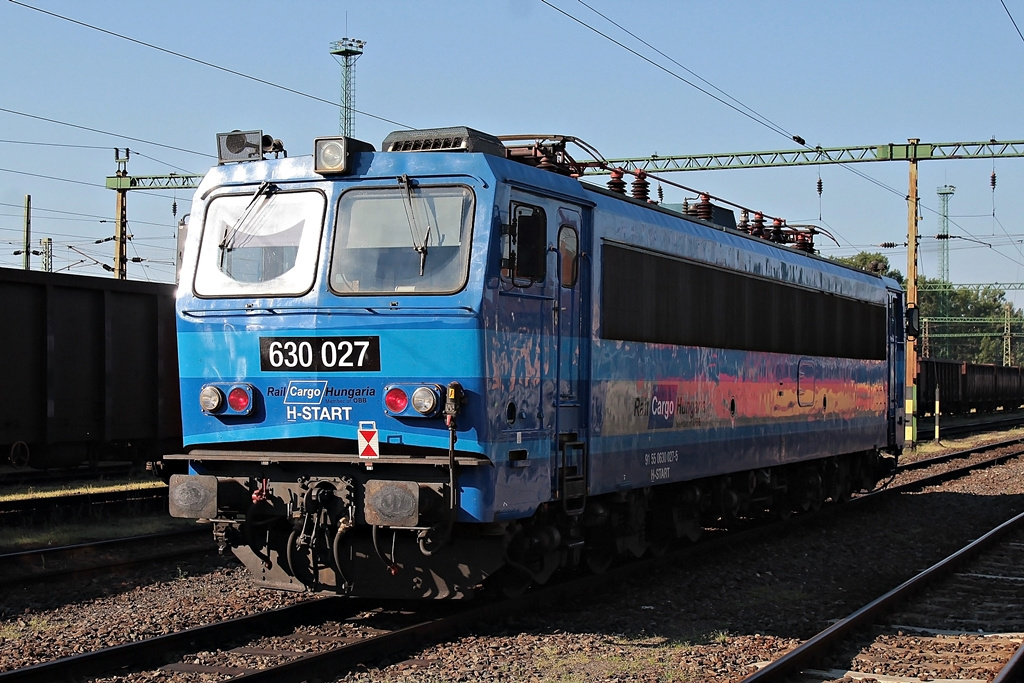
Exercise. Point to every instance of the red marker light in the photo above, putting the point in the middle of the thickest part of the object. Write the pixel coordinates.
(238, 399)
(396, 400)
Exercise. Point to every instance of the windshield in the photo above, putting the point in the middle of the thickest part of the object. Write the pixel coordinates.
(260, 244)
(405, 239)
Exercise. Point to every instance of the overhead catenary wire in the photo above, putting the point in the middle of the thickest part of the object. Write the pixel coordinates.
(1012, 20)
(101, 219)
(104, 132)
(78, 182)
(743, 109)
(739, 106)
(71, 146)
(52, 144)
(764, 119)
(204, 63)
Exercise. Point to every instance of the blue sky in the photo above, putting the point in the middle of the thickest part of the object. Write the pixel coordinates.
(835, 73)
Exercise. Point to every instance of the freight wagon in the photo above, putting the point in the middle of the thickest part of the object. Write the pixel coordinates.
(90, 369)
(968, 387)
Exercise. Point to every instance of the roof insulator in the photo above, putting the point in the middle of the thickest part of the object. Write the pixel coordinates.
(744, 223)
(640, 188)
(758, 225)
(704, 209)
(616, 183)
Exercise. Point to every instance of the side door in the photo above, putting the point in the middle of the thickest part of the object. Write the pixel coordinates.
(544, 267)
(569, 326)
(896, 354)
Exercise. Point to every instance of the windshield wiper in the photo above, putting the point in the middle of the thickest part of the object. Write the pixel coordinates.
(228, 242)
(410, 214)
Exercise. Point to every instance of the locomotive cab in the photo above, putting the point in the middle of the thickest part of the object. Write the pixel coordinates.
(330, 310)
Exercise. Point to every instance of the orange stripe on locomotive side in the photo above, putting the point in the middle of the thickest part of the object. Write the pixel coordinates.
(636, 407)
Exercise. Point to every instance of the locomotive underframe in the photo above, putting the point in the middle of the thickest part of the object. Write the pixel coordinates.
(340, 524)
(390, 530)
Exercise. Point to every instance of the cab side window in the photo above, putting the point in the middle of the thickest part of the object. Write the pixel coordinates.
(524, 251)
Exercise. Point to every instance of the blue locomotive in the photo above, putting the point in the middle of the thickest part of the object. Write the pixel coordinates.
(451, 363)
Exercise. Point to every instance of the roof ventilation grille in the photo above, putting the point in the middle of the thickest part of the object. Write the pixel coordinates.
(456, 139)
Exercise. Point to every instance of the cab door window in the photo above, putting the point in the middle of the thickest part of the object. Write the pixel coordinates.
(568, 253)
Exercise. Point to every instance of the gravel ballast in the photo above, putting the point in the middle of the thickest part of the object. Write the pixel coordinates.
(711, 619)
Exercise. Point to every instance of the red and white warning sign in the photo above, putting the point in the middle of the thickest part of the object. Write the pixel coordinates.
(369, 446)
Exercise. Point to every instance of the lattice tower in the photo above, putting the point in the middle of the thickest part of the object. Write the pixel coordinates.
(945, 192)
(349, 50)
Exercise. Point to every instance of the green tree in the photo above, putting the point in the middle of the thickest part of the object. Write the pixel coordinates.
(975, 342)
(872, 262)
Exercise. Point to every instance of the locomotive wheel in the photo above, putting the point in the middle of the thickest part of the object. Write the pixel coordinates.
(692, 529)
(659, 546)
(19, 455)
(510, 581)
(598, 559)
(845, 488)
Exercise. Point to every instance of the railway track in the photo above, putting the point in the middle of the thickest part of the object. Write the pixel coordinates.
(30, 509)
(318, 637)
(13, 477)
(102, 556)
(331, 635)
(960, 620)
(1013, 446)
(957, 426)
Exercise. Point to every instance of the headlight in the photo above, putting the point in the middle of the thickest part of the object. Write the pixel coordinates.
(424, 400)
(211, 399)
(330, 155)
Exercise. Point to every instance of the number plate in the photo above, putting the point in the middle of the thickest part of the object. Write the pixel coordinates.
(320, 354)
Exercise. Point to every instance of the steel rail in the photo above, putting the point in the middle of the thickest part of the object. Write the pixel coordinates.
(27, 566)
(953, 455)
(793, 660)
(152, 652)
(1014, 669)
(13, 477)
(46, 503)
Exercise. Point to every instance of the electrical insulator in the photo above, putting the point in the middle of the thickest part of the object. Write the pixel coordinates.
(992, 180)
(888, 245)
(942, 236)
(819, 186)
